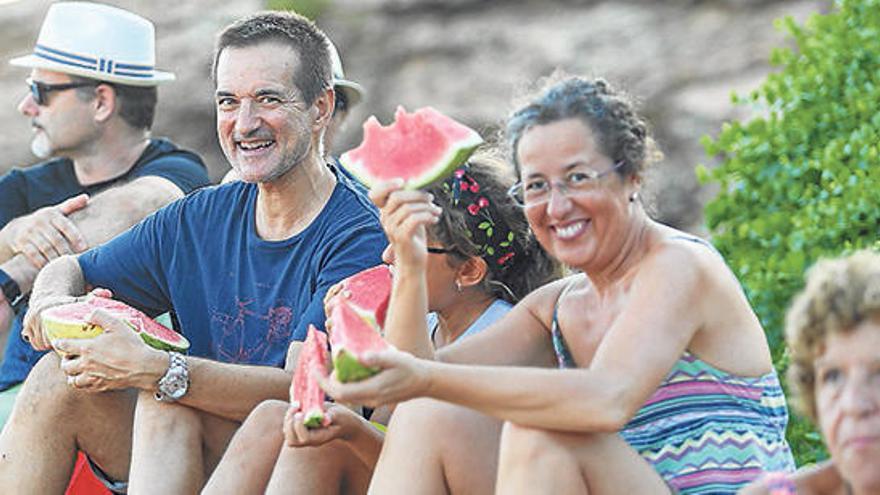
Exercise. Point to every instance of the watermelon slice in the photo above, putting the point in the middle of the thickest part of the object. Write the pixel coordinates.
(419, 147)
(351, 337)
(69, 321)
(304, 388)
(368, 293)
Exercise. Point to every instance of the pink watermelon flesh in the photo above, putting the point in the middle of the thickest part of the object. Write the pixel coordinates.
(419, 147)
(305, 388)
(369, 292)
(153, 333)
(350, 338)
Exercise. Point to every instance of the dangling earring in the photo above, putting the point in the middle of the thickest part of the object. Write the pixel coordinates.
(458, 286)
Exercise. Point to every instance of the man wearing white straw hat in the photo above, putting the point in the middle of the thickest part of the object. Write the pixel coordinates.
(91, 101)
(245, 266)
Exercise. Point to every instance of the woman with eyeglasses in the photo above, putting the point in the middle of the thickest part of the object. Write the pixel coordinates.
(480, 260)
(645, 372)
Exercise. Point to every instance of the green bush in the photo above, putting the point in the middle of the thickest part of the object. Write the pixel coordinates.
(801, 181)
(308, 8)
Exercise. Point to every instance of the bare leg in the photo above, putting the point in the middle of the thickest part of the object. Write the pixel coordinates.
(328, 469)
(51, 421)
(247, 464)
(541, 461)
(437, 447)
(175, 447)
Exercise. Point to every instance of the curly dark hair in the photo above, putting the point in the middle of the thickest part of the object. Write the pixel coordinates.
(525, 266)
(624, 135)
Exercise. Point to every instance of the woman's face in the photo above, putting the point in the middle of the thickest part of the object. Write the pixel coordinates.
(585, 228)
(848, 402)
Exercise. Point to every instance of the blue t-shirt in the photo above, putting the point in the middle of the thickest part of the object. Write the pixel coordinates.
(23, 191)
(238, 298)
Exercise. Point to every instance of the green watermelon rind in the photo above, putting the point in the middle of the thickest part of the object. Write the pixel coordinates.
(459, 153)
(181, 345)
(314, 419)
(349, 369)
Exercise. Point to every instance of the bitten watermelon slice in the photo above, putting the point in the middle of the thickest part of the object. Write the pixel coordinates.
(350, 338)
(419, 147)
(69, 321)
(304, 388)
(368, 293)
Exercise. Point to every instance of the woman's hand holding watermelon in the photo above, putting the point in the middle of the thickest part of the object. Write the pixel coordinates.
(404, 215)
(342, 424)
(402, 377)
(117, 358)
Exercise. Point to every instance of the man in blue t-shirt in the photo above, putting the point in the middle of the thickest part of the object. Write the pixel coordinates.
(105, 174)
(245, 266)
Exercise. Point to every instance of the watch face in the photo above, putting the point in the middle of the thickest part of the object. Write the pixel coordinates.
(177, 386)
(175, 383)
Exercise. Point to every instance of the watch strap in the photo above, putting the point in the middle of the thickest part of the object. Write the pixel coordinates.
(10, 288)
(175, 383)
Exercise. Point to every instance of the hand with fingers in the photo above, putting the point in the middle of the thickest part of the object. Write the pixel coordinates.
(402, 377)
(405, 214)
(48, 232)
(32, 325)
(341, 423)
(117, 358)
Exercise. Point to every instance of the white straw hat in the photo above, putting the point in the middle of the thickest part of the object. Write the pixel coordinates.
(96, 41)
(354, 92)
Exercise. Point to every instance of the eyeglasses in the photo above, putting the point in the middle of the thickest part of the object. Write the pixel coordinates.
(439, 250)
(40, 91)
(538, 191)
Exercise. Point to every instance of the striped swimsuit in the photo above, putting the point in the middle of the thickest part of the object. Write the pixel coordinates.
(705, 430)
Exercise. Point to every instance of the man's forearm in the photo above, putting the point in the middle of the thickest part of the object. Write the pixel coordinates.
(20, 269)
(114, 211)
(232, 391)
(61, 277)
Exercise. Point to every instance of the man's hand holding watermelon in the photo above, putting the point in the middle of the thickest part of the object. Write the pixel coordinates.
(32, 328)
(104, 362)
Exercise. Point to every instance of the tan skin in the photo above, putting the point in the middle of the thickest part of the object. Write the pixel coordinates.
(623, 340)
(102, 146)
(847, 394)
(260, 459)
(273, 138)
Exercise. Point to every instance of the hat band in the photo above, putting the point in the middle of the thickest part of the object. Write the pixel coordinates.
(100, 65)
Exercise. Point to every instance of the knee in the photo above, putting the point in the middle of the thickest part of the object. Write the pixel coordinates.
(45, 391)
(530, 446)
(153, 417)
(266, 420)
(425, 415)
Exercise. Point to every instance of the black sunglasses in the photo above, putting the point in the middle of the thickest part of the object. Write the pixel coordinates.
(438, 250)
(40, 91)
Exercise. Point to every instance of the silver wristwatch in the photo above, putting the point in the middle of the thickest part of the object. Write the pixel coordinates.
(174, 384)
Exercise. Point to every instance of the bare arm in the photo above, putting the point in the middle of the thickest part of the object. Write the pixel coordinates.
(74, 225)
(634, 356)
(118, 359)
(115, 210)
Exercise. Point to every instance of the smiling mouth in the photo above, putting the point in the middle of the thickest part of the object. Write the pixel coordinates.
(254, 145)
(572, 230)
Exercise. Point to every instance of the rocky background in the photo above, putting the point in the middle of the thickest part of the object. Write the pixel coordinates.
(470, 59)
